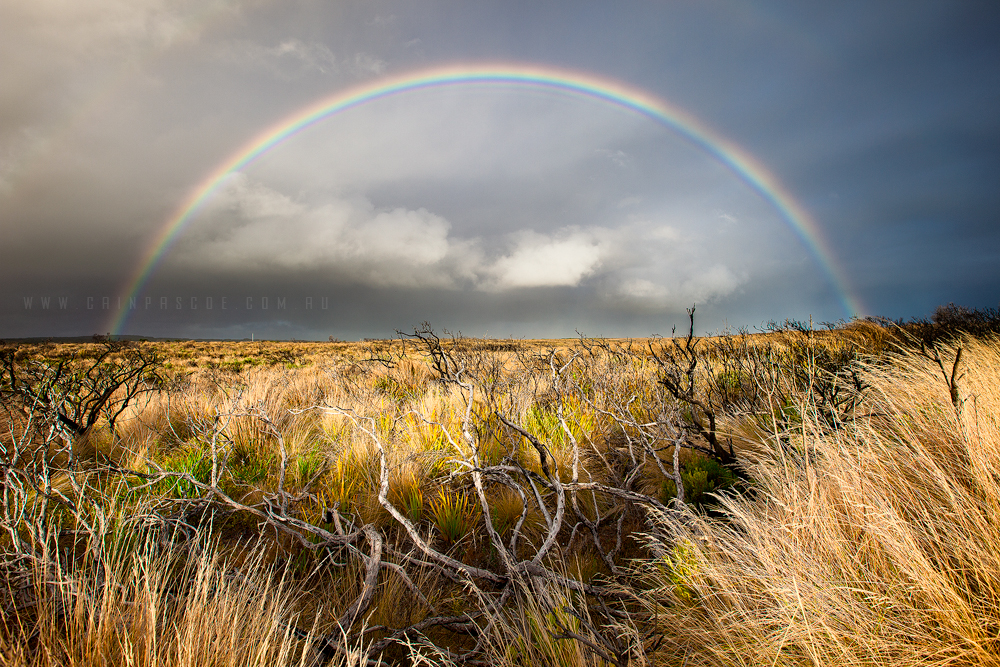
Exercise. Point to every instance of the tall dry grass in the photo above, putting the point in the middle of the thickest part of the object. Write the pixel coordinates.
(874, 544)
(139, 603)
(865, 537)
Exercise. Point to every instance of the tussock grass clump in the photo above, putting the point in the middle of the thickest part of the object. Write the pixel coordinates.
(872, 544)
(455, 516)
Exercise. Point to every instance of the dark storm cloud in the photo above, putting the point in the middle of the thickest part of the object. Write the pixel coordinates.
(491, 211)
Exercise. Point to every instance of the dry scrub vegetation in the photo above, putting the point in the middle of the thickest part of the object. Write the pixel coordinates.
(795, 497)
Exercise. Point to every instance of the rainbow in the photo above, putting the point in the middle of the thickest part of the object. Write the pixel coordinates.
(741, 163)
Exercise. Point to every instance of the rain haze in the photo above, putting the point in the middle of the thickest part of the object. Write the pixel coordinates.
(763, 160)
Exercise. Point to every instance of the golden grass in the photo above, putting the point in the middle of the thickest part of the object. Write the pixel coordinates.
(876, 544)
(156, 608)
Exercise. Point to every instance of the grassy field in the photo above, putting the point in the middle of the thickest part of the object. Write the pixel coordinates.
(793, 497)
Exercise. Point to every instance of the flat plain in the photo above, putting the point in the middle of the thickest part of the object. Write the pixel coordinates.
(788, 497)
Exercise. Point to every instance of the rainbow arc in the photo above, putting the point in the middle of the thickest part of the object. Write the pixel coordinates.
(739, 161)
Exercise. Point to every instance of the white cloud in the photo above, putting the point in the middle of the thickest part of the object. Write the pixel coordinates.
(694, 285)
(313, 55)
(256, 201)
(618, 158)
(290, 59)
(664, 233)
(716, 281)
(641, 288)
(663, 264)
(366, 64)
(251, 225)
(538, 260)
(383, 20)
(293, 58)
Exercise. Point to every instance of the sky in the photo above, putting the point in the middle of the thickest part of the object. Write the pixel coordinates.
(812, 160)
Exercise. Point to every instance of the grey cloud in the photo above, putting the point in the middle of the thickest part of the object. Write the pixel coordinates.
(518, 210)
(350, 240)
(96, 29)
(700, 285)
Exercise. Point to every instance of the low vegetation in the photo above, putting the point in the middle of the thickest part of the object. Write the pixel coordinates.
(798, 496)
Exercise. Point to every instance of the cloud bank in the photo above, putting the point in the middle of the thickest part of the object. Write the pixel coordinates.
(249, 226)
